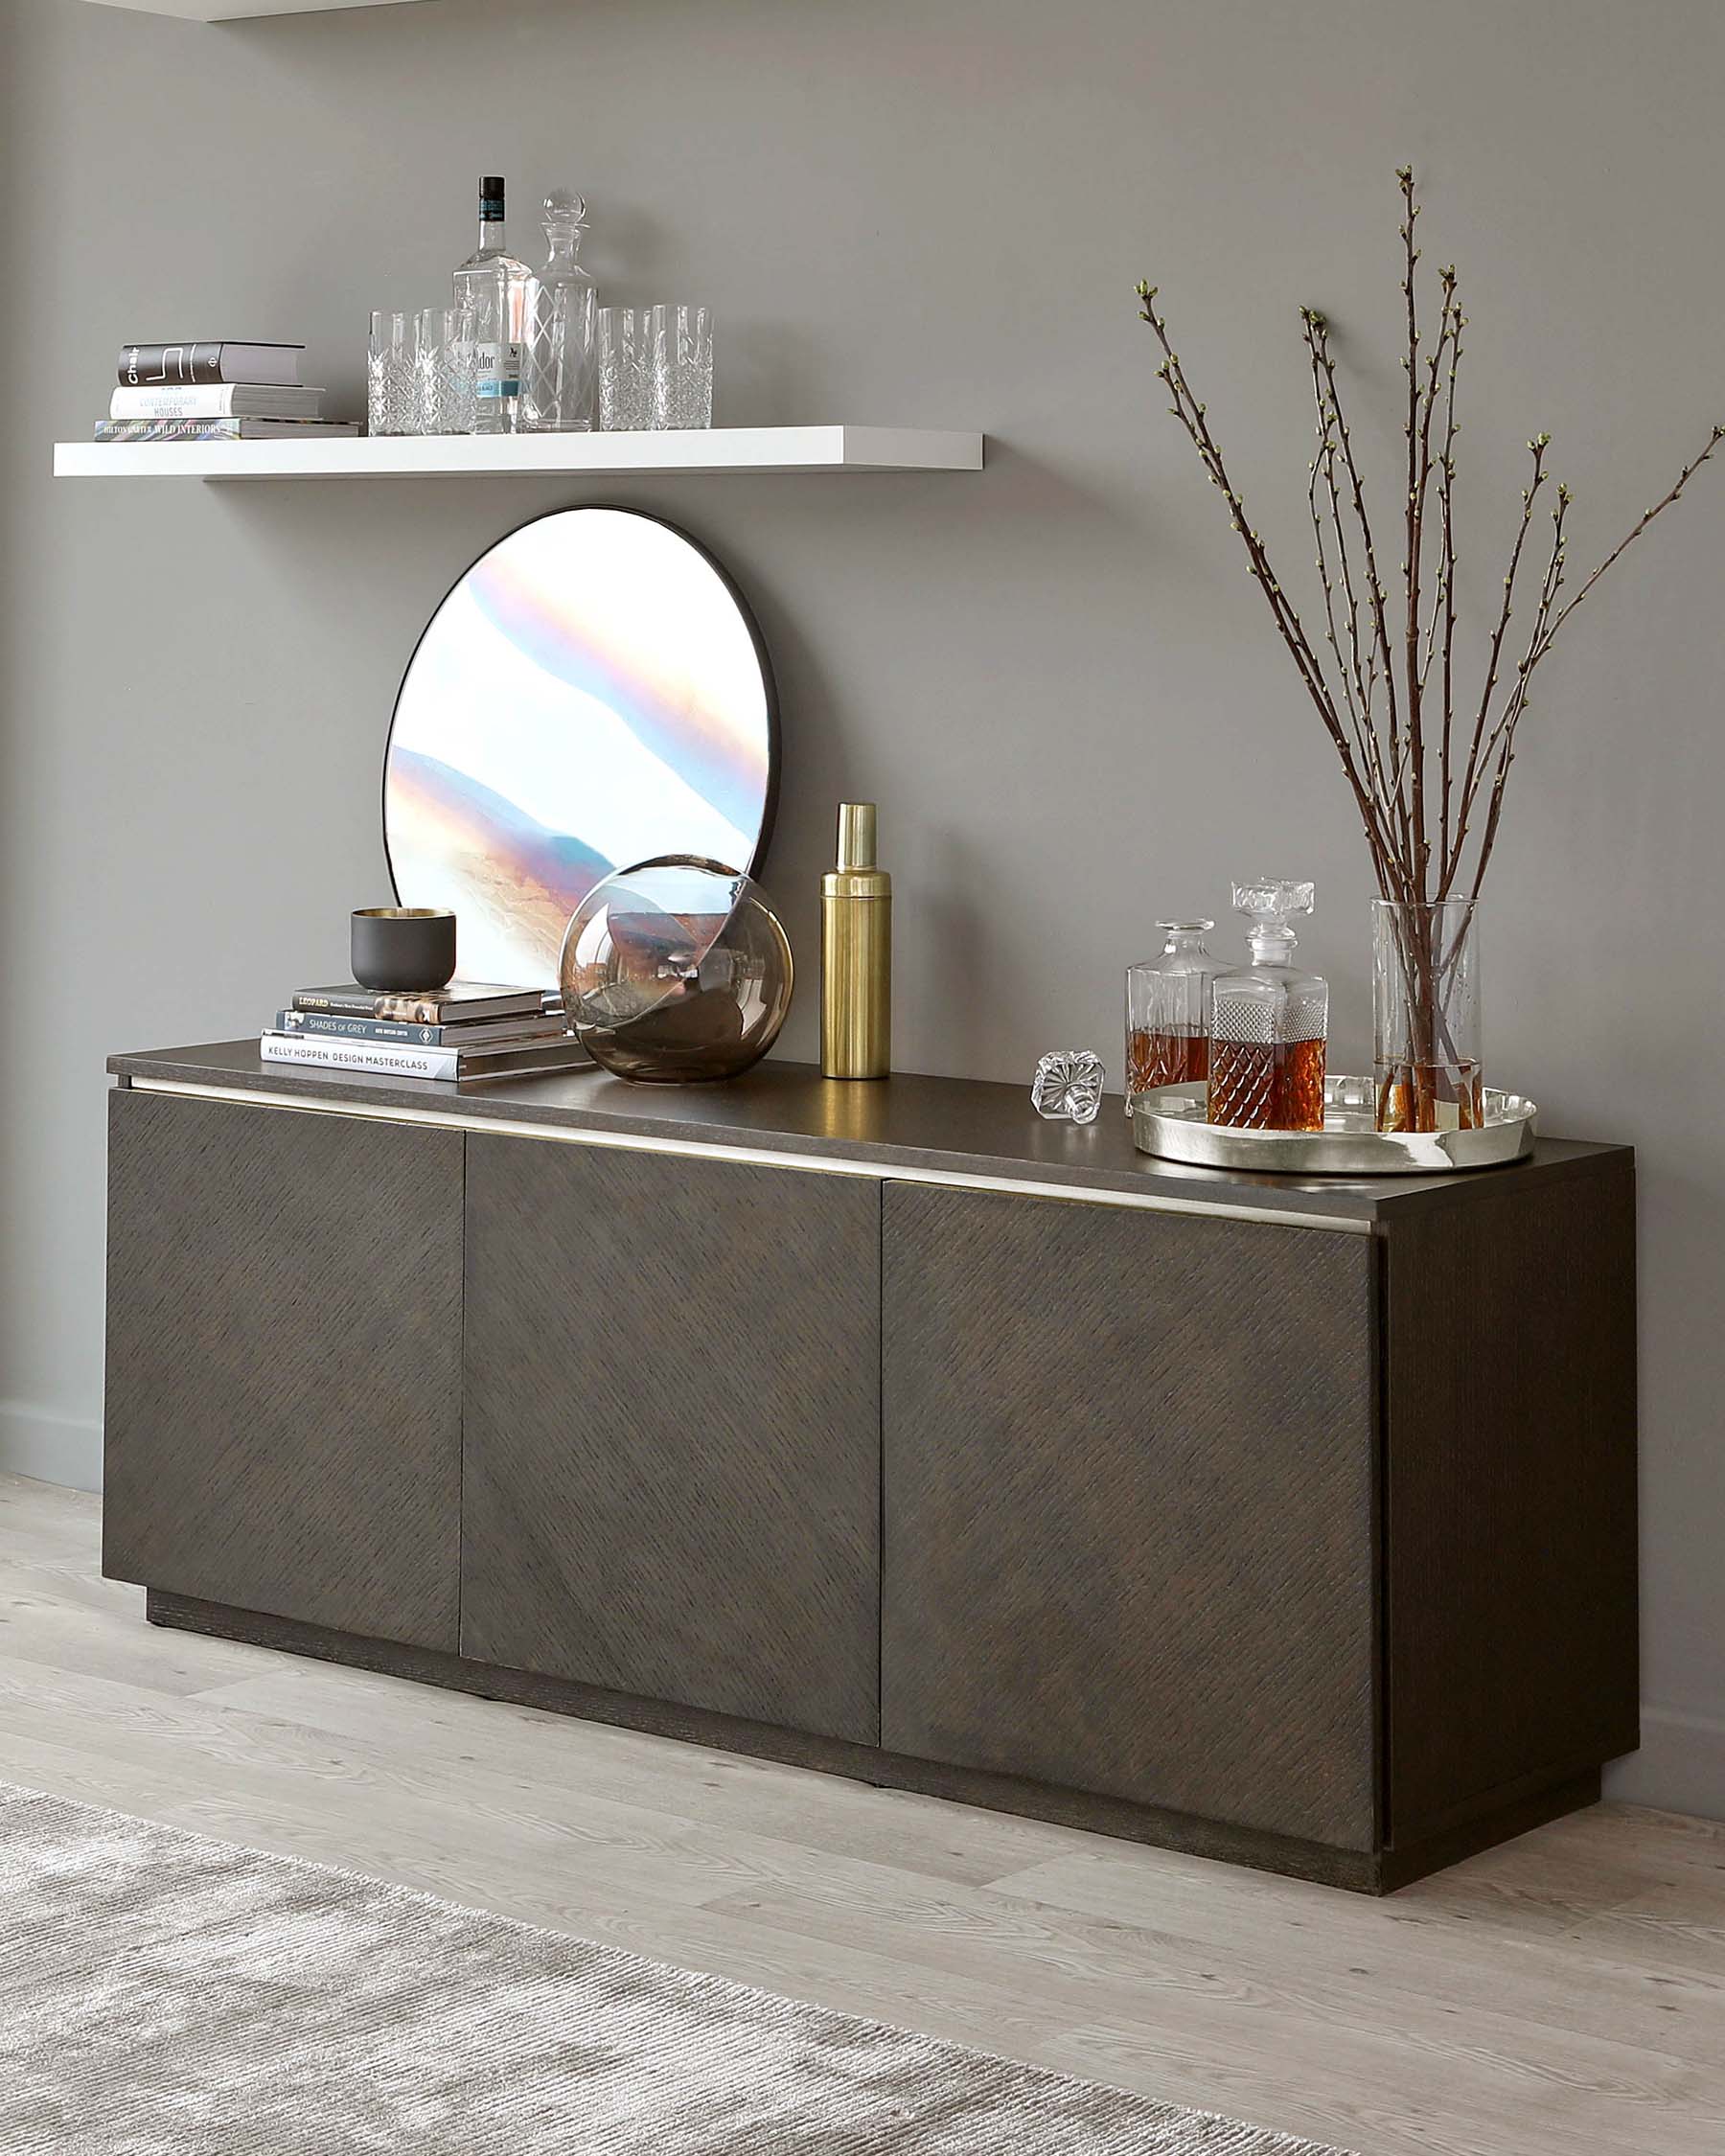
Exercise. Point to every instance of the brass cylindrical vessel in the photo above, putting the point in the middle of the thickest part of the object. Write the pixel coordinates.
(856, 954)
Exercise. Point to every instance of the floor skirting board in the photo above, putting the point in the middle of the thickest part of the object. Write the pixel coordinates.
(1679, 1768)
(49, 1447)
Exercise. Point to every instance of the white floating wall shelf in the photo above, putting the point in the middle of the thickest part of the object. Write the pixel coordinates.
(239, 11)
(452, 456)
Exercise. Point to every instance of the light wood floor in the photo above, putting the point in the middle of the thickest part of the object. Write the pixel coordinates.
(1564, 1996)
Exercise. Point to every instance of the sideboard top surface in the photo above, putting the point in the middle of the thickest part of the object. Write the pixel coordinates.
(935, 1126)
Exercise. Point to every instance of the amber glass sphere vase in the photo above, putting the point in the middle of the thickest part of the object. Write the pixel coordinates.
(675, 972)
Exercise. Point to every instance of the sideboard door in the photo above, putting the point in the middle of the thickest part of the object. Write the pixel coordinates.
(672, 1452)
(1129, 1506)
(284, 1363)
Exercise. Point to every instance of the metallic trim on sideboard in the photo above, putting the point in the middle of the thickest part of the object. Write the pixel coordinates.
(877, 1171)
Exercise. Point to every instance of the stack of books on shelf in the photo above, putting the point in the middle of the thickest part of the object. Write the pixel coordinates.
(470, 1030)
(214, 391)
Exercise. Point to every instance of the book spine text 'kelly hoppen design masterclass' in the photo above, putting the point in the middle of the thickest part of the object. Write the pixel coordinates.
(383, 1059)
(378, 1057)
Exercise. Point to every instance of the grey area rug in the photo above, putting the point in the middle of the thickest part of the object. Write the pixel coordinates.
(166, 1995)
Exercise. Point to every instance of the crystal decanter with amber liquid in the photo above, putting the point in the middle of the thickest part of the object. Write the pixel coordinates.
(1269, 1021)
(1169, 1012)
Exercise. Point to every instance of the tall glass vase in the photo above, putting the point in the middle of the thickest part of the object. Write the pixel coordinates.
(1425, 1000)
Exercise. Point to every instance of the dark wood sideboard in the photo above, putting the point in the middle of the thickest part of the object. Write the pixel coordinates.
(887, 1430)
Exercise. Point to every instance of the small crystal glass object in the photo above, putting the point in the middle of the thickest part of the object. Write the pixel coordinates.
(1067, 1086)
(444, 372)
(559, 359)
(1169, 1012)
(1425, 1009)
(1269, 1021)
(679, 349)
(389, 375)
(625, 402)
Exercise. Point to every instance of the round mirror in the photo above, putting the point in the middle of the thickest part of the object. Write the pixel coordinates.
(593, 693)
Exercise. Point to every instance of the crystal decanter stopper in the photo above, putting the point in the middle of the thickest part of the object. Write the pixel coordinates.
(560, 360)
(1268, 1021)
(1067, 1087)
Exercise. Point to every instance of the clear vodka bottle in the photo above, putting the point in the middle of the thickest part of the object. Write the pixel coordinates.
(492, 287)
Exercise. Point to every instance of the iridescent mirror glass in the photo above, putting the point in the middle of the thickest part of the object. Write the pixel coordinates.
(592, 694)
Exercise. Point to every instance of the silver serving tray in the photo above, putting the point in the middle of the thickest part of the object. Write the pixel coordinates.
(1170, 1123)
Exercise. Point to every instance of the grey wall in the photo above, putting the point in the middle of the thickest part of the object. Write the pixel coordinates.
(1053, 676)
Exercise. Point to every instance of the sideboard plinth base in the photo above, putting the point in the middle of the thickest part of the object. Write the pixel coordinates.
(1359, 1871)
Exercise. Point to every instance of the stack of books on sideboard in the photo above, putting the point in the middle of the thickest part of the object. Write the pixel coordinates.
(215, 390)
(470, 1030)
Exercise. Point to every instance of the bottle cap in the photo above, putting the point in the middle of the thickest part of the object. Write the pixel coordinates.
(856, 835)
(491, 190)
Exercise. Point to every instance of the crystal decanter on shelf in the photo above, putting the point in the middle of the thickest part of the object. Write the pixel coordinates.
(491, 288)
(1269, 1021)
(560, 361)
(1169, 1012)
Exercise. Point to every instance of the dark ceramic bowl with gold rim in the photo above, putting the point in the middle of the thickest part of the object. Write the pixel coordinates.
(403, 950)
